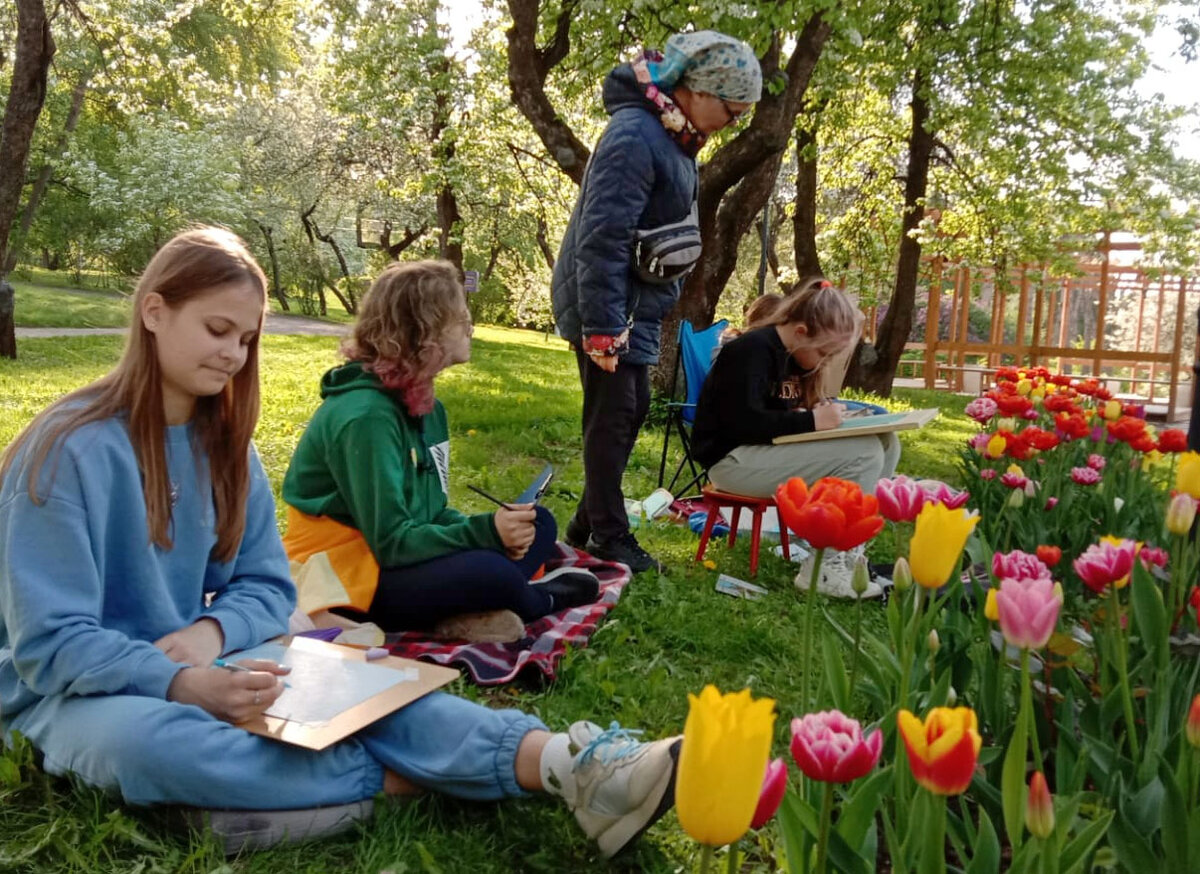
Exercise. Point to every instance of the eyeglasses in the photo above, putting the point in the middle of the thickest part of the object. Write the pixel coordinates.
(734, 117)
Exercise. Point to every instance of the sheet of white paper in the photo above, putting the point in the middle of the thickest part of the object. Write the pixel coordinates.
(321, 687)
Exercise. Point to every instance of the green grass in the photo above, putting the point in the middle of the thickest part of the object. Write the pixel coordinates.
(514, 407)
(44, 306)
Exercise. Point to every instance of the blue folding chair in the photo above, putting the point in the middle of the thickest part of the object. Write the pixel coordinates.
(694, 357)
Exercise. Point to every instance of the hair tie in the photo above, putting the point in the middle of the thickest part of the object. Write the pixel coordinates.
(825, 283)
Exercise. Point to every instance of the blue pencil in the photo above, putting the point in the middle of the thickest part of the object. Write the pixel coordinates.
(234, 666)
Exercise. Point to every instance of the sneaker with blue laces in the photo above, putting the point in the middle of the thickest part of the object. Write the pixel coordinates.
(616, 785)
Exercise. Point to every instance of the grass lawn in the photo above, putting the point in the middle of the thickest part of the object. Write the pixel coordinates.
(48, 306)
(513, 408)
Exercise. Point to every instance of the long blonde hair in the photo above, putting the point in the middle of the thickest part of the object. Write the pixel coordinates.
(822, 309)
(399, 330)
(190, 264)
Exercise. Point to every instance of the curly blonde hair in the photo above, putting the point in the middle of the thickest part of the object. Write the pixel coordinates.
(399, 330)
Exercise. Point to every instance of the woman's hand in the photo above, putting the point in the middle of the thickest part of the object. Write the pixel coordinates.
(233, 696)
(197, 644)
(516, 529)
(827, 414)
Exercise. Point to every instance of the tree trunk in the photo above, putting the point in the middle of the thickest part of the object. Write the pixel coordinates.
(313, 231)
(276, 288)
(26, 95)
(804, 217)
(46, 171)
(528, 67)
(876, 376)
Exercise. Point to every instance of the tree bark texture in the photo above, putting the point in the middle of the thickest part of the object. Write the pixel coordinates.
(877, 375)
(46, 171)
(276, 288)
(313, 231)
(26, 95)
(528, 66)
(804, 217)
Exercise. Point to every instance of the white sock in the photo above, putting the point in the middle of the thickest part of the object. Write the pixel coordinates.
(555, 768)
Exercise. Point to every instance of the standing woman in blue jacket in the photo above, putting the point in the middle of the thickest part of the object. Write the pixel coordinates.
(632, 238)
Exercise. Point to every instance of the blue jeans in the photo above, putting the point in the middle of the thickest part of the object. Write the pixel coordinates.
(160, 752)
(420, 595)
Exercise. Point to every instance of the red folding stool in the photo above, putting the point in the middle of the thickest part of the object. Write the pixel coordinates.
(715, 500)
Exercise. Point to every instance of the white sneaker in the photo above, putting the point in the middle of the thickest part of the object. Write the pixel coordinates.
(616, 785)
(837, 574)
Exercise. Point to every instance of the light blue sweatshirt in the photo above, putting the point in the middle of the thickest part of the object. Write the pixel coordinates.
(84, 593)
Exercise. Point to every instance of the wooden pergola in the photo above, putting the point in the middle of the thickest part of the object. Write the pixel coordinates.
(1060, 322)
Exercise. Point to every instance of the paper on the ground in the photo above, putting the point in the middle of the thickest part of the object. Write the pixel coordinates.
(728, 585)
(320, 687)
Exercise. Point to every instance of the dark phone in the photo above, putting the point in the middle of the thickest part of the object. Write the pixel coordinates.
(533, 493)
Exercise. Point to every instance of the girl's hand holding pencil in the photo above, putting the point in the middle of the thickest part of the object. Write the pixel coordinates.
(234, 692)
(514, 524)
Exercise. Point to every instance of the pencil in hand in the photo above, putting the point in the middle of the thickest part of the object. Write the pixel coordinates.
(497, 501)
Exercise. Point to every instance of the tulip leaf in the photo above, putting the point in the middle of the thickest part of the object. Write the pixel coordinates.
(858, 810)
(1075, 854)
(1144, 808)
(836, 677)
(1012, 783)
(1174, 822)
(1194, 835)
(1132, 850)
(796, 836)
(1150, 614)
(985, 856)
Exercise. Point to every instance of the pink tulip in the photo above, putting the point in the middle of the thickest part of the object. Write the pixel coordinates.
(1051, 503)
(1096, 462)
(981, 410)
(1018, 565)
(940, 493)
(987, 473)
(1014, 480)
(979, 441)
(900, 498)
(1085, 476)
(1028, 610)
(1153, 555)
(1106, 563)
(774, 785)
(829, 746)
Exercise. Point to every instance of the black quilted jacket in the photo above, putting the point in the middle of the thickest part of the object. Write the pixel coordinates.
(638, 178)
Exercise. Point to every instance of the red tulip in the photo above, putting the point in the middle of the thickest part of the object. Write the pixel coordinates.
(1049, 555)
(774, 785)
(1193, 723)
(834, 514)
(1039, 811)
(942, 750)
(1172, 440)
(829, 746)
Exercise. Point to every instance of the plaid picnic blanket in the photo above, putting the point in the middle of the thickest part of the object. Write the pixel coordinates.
(546, 640)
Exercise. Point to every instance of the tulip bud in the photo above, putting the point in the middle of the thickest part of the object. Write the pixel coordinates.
(991, 608)
(1193, 723)
(902, 575)
(1039, 811)
(1016, 498)
(862, 576)
(951, 697)
(933, 641)
(1181, 513)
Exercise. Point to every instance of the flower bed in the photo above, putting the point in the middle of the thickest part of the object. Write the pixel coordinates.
(1028, 714)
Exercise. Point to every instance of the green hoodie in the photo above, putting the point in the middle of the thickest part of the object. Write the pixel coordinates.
(365, 462)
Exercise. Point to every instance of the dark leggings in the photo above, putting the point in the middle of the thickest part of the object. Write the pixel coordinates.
(420, 595)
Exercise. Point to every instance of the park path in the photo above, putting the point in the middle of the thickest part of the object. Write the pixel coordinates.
(277, 323)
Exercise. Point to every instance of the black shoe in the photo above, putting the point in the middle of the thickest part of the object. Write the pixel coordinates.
(576, 534)
(569, 587)
(626, 550)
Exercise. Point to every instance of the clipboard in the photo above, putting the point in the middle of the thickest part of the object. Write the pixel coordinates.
(324, 671)
(863, 425)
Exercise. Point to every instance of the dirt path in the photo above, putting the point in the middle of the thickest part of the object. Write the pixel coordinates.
(277, 323)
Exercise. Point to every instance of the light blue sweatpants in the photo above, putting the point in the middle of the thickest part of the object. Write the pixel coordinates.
(160, 752)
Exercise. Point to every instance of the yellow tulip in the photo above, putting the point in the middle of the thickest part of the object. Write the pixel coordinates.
(1024, 387)
(1187, 475)
(1112, 410)
(1181, 513)
(995, 446)
(991, 607)
(726, 743)
(937, 543)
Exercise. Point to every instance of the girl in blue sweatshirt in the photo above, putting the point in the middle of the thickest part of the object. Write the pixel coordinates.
(138, 544)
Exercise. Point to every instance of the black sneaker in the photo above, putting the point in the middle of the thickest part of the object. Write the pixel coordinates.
(626, 550)
(569, 587)
(576, 534)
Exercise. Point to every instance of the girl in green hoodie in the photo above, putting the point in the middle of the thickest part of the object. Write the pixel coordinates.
(367, 486)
